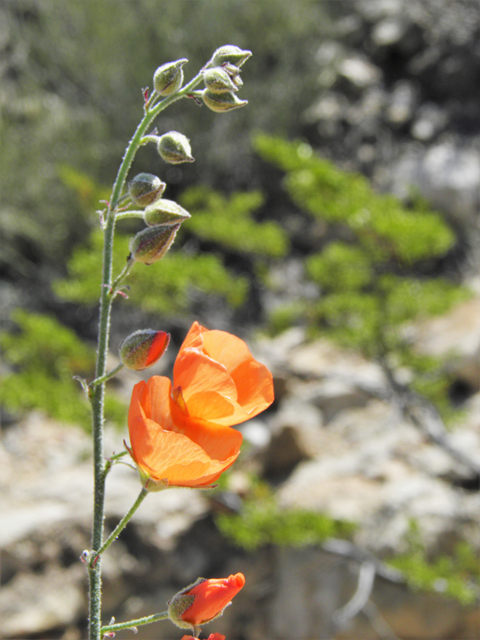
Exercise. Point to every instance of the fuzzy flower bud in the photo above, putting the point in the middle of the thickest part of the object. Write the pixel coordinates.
(218, 80)
(168, 78)
(151, 244)
(230, 53)
(145, 188)
(165, 212)
(203, 601)
(175, 148)
(143, 348)
(234, 73)
(220, 102)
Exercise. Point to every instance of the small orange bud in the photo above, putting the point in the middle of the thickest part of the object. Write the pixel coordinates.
(151, 244)
(165, 212)
(174, 148)
(203, 601)
(143, 348)
(145, 188)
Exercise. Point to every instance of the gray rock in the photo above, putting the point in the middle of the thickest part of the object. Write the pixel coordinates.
(359, 72)
(32, 604)
(446, 174)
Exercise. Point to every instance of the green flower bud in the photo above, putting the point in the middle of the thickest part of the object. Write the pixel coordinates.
(217, 80)
(230, 53)
(169, 77)
(145, 188)
(151, 244)
(143, 348)
(165, 212)
(220, 102)
(175, 148)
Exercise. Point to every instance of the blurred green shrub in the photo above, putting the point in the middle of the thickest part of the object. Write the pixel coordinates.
(226, 223)
(44, 356)
(379, 276)
(160, 288)
(456, 575)
(263, 522)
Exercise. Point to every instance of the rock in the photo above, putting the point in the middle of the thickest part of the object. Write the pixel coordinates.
(334, 395)
(430, 120)
(323, 360)
(455, 338)
(378, 471)
(447, 175)
(32, 604)
(359, 72)
(296, 436)
(403, 102)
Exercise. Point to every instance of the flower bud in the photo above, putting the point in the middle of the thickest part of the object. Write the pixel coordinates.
(175, 148)
(230, 53)
(203, 601)
(165, 212)
(145, 188)
(218, 80)
(151, 244)
(143, 348)
(168, 78)
(220, 102)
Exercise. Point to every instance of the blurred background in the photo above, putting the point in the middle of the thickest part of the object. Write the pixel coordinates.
(335, 228)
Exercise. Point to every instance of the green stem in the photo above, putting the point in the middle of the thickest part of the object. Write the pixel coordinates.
(97, 400)
(130, 214)
(145, 123)
(135, 623)
(107, 376)
(120, 526)
(98, 394)
(123, 274)
(113, 460)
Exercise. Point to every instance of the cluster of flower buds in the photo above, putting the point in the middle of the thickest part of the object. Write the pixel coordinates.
(162, 216)
(222, 79)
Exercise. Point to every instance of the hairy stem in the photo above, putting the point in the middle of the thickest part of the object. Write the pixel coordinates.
(120, 526)
(156, 617)
(98, 390)
(97, 400)
(107, 376)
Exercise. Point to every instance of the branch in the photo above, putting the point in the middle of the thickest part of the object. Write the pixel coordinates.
(366, 580)
(424, 415)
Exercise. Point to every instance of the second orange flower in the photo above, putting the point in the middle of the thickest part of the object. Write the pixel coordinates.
(181, 435)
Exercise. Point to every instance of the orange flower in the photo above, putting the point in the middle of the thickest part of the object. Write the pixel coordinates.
(183, 436)
(204, 601)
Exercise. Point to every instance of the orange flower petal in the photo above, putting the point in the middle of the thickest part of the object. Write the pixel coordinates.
(208, 390)
(183, 451)
(211, 597)
(220, 379)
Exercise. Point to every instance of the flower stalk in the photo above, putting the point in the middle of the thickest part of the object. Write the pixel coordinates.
(148, 246)
(119, 528)
(156, 617)
(98, 394)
